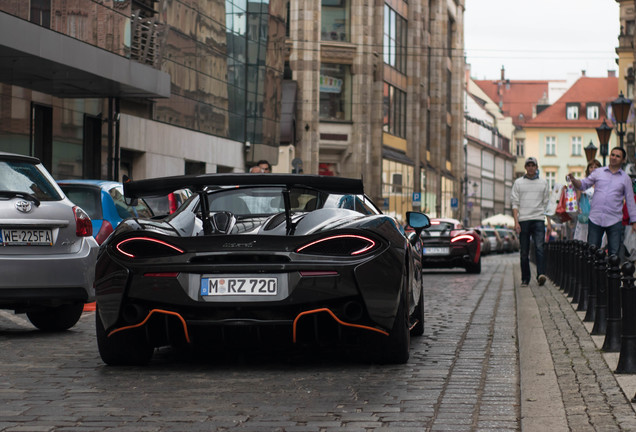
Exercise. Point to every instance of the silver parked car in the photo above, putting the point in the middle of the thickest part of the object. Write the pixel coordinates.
(47, 251)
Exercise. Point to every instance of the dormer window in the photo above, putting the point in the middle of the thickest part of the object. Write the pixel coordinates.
(593, 111)
(572, 111)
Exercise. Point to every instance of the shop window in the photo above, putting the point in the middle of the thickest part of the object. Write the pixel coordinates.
(335, 92)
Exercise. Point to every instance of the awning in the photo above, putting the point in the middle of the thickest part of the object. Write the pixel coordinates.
(396, 156)
(40, 59)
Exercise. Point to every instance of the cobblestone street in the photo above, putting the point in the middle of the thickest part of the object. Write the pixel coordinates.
(463, 375)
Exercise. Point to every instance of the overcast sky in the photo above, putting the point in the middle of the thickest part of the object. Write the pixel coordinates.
(541, 39)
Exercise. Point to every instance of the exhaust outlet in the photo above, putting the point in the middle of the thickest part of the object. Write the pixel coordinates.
(353, 311)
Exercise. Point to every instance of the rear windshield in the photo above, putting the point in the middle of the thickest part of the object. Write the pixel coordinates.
(87, 198)
(441, 226)
(269, 200)
(24, 177)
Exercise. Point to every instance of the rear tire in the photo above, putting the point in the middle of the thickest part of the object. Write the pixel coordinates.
(127, 348)
(473, 267)
(418, 315)
(395, 347)
(58, 318)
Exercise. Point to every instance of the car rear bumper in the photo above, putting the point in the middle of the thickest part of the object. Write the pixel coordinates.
(37, 275)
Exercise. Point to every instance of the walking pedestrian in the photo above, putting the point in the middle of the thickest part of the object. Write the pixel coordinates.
(612, 188)
(530, 196)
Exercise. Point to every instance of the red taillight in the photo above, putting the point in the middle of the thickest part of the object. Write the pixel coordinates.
(465, 237)
(343, 244)
(172, 203)
(104, 232)
(318, 273)
(146, 247)
(83, 225)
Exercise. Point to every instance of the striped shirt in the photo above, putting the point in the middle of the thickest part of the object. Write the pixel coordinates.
(530, 197)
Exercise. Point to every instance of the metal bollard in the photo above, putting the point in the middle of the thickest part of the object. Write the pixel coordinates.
(585, 278)
(590, 313)
(561, 261)
(578, 251)
(567, 267)
(627, 358)
(549, 267)
(600, 320)
(572, 270)
(612, 341)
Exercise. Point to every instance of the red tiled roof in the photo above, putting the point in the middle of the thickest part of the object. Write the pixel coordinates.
(585, 90)
(515, 97)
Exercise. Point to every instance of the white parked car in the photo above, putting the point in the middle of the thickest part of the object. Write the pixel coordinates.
(47, 251)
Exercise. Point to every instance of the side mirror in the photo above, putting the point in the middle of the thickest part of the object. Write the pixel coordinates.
(418, 221)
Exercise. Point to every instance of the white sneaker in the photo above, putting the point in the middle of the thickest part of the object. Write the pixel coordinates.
(541, 279)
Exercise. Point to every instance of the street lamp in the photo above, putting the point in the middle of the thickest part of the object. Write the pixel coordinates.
(590, 152)
(620, 107)
(604, 132)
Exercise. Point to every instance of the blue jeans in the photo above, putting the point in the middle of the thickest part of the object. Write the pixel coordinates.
(536, 230)
(614, 236)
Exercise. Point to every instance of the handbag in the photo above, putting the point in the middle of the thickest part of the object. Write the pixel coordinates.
(571, 203)
(555, 195)
(630, 242)
(584, 208)
(562, 209)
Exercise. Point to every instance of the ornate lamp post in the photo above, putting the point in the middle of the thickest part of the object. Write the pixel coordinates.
(620, 107)
(590, 152)
(604, 132)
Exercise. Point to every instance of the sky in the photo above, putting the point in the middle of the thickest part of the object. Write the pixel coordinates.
(541, 39)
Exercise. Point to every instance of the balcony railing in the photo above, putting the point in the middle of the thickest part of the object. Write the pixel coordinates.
(146, 40)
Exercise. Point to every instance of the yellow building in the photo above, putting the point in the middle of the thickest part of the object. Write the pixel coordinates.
(558, 135)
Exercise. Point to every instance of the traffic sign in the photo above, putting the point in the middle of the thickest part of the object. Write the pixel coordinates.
(417, 197)
(454, 203)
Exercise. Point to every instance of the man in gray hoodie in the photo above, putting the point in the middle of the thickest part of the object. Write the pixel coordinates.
(530, 195)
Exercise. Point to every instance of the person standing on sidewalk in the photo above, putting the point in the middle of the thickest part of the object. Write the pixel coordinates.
(612, 187)
(530, 196)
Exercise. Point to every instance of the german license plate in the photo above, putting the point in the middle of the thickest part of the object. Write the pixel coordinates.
(436, 251)
(25, 237)
(239, 286)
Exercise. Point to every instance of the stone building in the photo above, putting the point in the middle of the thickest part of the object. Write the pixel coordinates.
(376, 90)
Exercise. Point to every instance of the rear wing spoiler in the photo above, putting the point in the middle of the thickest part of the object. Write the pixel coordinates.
(197, 183)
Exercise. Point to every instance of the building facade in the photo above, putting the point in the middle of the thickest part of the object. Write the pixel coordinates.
(489, 160)
(626, 52)
(98, 89)
(376, 90)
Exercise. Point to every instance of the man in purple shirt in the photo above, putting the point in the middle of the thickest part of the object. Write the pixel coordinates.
(612, 186)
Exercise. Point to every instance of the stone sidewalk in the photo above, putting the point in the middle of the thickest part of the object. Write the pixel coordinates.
(567, 382)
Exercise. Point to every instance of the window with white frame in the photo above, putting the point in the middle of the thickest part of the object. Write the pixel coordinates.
(521, 147)
(572, 111)
(550, 176)
(550, 145)
(593, 111)
(576, 145)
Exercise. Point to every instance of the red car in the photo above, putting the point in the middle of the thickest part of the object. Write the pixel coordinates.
(447, 244)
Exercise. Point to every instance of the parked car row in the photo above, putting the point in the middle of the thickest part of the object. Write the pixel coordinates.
(499, 240)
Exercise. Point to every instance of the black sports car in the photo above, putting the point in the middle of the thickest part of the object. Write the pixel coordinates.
(446, 244)
(259, 258)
